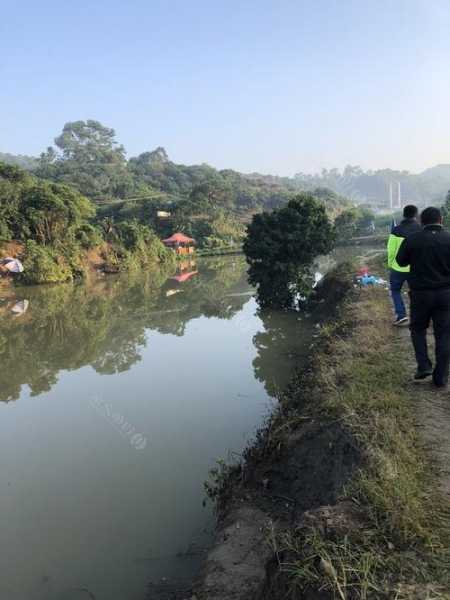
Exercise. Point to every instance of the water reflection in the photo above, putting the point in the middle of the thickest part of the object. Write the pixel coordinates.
(281, 346)
(143, 382)
(47, 329)
(103, 323)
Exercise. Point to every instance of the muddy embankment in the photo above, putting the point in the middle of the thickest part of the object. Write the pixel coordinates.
(297, 464)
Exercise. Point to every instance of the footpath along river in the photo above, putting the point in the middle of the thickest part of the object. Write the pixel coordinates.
(117, 397)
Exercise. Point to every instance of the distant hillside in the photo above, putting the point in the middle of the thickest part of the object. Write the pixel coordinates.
(439, 171)
(88, 156)
(436, 181)
(372, 187)
(26, 162)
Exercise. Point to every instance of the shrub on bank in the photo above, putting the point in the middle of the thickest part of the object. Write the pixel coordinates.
(43, 264)
(89, 236)
(132, 245)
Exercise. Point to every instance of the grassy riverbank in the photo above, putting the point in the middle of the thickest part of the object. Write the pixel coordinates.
(344, 485)
(389, 535)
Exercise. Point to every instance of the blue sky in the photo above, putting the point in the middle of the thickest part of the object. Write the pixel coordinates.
(275, 86)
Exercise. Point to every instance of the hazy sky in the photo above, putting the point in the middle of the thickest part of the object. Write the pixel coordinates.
(275, 86)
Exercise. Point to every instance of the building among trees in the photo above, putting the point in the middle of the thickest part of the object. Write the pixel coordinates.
(182, 244)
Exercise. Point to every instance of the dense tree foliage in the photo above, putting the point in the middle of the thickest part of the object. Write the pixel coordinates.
(44, 211)
(281, 246)
(55, 224)
(19, 160)
(210, 205)
(200, 187)
(88, 156)
(354, 221)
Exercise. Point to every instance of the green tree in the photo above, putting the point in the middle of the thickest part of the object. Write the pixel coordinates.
(53, 213)
(44, 211)
(19, 160)
(88, 156)
(281, 246)
(50, 219)
(346, 223)
(353, 221)
(13, 181)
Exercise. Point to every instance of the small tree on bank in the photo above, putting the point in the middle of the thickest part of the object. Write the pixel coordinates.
(281, 246)
(356, 220)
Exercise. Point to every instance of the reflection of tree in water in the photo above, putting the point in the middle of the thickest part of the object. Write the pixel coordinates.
(280, 348)
(205, 295)
(281, 286)
(104, 324)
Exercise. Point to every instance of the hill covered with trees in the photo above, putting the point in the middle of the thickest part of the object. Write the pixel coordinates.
(211, 205)
(372, 187)
(84, 192)
(86, 154)
(207, 203)
(19, 160)
(53, 227)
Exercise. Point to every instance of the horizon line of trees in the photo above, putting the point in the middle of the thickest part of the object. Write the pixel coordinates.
(209, 205)
(88, 155)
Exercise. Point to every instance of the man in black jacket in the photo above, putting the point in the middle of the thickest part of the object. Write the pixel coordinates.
(428, 254)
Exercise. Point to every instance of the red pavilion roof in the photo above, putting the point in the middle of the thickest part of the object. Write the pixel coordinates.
(179, 238)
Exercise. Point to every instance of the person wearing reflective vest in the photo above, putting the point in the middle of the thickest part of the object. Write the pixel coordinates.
(399, 274)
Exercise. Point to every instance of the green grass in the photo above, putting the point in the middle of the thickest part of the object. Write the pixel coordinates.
(400, 547)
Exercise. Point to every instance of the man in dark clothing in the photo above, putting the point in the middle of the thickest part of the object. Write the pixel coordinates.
(398, 275)
(428, 254)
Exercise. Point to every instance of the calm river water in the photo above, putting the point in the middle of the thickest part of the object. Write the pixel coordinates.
(117, 397)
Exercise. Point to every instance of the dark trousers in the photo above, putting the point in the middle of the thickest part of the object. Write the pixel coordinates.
(427, 305)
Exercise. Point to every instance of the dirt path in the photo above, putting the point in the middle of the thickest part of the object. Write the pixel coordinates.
(433, 411)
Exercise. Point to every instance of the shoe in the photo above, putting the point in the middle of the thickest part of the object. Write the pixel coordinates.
(402, 321)
(423, 374)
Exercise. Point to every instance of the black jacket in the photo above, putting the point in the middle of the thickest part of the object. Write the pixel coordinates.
(428, 253)
(406, 228)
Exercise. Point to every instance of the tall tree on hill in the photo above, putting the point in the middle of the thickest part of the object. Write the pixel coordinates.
(88, 156)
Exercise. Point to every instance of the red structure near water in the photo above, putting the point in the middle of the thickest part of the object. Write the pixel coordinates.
(182, 244)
